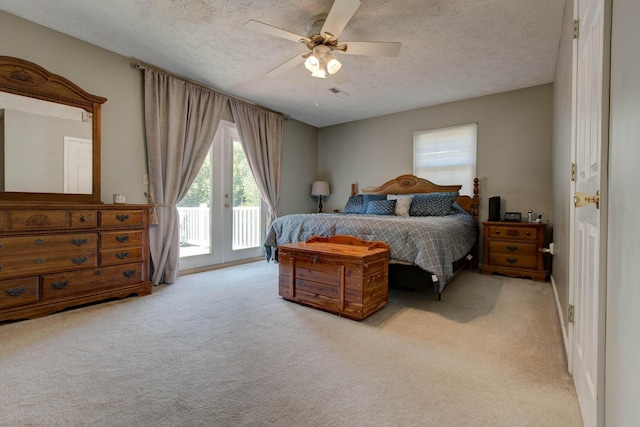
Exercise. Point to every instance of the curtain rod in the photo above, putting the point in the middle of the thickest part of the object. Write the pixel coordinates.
(139, 65)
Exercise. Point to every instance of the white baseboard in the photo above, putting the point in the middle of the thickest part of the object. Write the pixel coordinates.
(565, 336)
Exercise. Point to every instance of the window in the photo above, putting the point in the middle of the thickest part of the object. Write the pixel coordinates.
(446, 156)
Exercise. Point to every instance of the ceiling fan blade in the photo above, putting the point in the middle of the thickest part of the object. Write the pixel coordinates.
(372, 48)
(341, 77)
(339, 15)
(286, 66)
(274, 31)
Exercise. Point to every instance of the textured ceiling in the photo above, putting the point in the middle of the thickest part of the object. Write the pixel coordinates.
(451, 49)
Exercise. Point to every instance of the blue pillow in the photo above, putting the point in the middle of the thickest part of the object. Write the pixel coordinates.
(368, 198)
(381, 207)
(432, 204)
(354, 204)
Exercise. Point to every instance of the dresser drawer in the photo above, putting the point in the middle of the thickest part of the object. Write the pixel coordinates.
(18, 291)
(513, 261)
(511, 233)
(37, 219)
(83, 219)
(121, 218)
(37, 263)
(513, 248)
(120, 256)
(86, 281)
(120, 239)
(34, 244)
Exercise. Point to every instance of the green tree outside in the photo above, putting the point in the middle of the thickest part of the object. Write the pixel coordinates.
(245, 190)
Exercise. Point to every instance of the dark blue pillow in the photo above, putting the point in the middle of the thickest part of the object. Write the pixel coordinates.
(368, 198)
(354, 204)
(381, 207)
(432, 204)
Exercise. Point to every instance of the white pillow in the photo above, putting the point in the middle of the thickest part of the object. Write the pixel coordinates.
(403, 203)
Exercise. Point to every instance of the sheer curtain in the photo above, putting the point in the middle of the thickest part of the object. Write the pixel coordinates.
(181, 119)
(260, 133)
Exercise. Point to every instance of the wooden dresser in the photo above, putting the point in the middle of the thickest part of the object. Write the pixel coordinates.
(340, 274)
(55, 256)
(514, 249)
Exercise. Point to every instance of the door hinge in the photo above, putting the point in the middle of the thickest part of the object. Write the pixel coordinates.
(570, 313)
(575, 28)
(573, 171)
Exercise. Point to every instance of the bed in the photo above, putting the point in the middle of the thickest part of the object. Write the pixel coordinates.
(421, 233)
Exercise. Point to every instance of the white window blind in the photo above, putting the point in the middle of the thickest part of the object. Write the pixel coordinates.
(446, 156)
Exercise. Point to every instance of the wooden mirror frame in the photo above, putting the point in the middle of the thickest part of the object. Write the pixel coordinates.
(25, 78)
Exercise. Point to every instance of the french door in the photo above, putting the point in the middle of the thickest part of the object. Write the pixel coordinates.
(222, 218)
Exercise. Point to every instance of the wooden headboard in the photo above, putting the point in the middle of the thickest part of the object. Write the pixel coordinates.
(410, 184)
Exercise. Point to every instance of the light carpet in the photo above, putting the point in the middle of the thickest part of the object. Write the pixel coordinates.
(221, 348)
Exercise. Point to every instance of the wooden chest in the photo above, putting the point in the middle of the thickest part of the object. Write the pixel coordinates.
(340, 274)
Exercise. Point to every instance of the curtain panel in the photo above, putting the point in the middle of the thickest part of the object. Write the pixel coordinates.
(181, 119)
(260, 133)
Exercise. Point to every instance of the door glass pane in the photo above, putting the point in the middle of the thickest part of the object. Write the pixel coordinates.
(194, 212)
(246, 203)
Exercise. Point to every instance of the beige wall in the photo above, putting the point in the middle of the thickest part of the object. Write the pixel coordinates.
(623, 269)
(513, 159)
(107, 74)
(561, 154)
(299, 168)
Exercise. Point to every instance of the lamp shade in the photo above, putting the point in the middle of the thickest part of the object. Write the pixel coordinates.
(320, 188)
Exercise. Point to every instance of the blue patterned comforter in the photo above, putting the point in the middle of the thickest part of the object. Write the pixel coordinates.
(432, 243)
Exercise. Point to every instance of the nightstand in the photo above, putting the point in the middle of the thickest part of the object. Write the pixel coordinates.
(514, 249)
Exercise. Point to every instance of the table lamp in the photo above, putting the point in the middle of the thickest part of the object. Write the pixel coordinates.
(320, 188)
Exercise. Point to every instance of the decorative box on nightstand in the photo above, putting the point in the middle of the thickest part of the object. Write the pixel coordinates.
(514, 249)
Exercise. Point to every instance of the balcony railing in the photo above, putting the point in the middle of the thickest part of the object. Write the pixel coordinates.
(195, 226)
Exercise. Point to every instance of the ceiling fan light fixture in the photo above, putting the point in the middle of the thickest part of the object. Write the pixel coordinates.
(320, 73)
(312, 63)
(333, 65)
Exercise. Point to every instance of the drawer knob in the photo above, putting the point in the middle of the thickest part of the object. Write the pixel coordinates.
(84, 218)
(528, 233)
(16, 292)
(512, 260)
(122, 255)
(315, 259)
(122, 217)
(1, 245)
(129, 273)
(60, 285)
(79, 242)
(39, 260)
(512, 248)
(80, 260)
(38, 241)
(497, 231)
(122, 239)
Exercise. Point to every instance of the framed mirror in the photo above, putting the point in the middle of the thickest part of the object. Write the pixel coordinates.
(49, 136)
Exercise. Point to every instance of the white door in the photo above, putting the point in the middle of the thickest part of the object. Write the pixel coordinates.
(589, 231)
(228, 224)
(78, 160)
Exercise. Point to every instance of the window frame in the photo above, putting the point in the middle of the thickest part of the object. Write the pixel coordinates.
(467, 187)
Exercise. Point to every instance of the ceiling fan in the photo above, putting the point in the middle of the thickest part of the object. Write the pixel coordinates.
(322, 42)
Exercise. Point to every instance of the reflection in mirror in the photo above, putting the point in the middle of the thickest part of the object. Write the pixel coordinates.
(45, 147)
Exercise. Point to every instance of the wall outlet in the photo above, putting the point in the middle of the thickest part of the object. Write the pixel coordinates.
(145, 178)
(552, 248)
